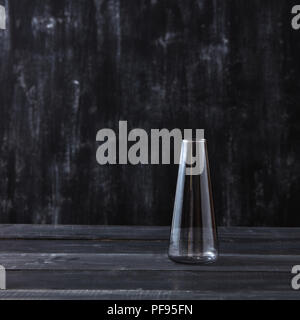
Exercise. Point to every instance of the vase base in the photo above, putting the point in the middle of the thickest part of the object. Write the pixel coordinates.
(207, 259)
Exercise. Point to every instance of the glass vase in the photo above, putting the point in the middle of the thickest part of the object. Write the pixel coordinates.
(193, 236)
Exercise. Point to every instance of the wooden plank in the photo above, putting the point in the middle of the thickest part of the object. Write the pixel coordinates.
(280, 246)
(83, 246)
(228, 246)
(259, 233)
(214, 282)
(133, 232)
(62, 261)
(83, 232)
(145, 295)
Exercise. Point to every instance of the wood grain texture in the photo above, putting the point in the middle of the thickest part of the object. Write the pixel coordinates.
(144, 262)
(83, 232)
(69, 68)
(143, 295)
(78, 232)
(236, 246)
(124, 263)
(150, 280)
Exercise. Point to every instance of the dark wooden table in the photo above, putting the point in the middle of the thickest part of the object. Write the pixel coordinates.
(101, 262)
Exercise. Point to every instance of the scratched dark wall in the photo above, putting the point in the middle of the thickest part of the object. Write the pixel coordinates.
(69, 68)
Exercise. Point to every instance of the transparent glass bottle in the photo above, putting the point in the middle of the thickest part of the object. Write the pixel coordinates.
(193, 234)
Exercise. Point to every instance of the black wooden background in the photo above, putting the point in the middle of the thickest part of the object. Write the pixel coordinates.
(69, 68)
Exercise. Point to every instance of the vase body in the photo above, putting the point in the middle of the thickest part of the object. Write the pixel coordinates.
(193, 236)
